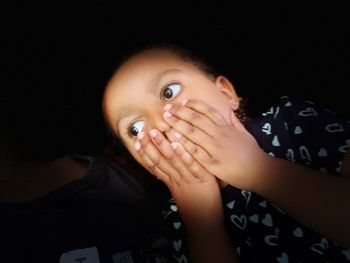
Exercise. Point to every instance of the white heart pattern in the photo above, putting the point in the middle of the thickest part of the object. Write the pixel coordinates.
(283, 258)
(298, 130)
(308, 112)
(334, 127)
(181, 259)
(173, 208)
(254, 218)
(240, 222)
(263, 203)
(238, 249)
(338, 169)
(345, 148)
(247, 196)
(267, 220)
(266, 128)
(322, 152)
(304, 152)
(290, 155)
(270, 111)
(320, 247)
(177, 244)
(275, 141)
(276, 113)
(231, 204)
(177, 225)
(272, 240)
(288, 104)
(298, 232)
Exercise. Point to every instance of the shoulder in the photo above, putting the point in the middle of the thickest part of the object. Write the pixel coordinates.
(307, 113)
(303, 131)
(290, 106)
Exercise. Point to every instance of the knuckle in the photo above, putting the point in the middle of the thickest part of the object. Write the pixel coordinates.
(194, 149)
(176, 163)
(195, 168)
(141, 154)
(171, 156)
(189, 128)
(158, 141)
(192, 102)
(214, 161)
(211, 109)
(195, 116)
(152, 168)
(157, 162)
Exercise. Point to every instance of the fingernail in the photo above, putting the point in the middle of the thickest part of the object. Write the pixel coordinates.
(177, 135)
(167, 106)
(137, 146)
(153, 133)
(184, 102)
(174, 145)
(167, 114)
(140, 135)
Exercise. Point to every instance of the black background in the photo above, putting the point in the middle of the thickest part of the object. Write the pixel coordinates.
(55, 60)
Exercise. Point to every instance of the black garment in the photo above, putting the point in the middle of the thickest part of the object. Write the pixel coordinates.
(102, 217)
(298, 131)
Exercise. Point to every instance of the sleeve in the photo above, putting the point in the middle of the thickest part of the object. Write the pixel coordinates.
(315, 136)
(168, 243)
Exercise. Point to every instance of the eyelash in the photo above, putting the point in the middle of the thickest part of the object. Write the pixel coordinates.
(128, 128)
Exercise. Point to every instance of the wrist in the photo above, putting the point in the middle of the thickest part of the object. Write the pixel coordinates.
(205, 229)
(261, 172)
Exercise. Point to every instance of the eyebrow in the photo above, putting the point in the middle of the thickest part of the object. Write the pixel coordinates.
(152, 87)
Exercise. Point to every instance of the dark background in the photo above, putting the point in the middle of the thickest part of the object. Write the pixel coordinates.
(55, 60)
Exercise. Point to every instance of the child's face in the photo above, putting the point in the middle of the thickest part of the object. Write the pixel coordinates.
(135, 96)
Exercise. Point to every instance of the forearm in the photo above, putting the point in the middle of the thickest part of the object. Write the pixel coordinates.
(210, 244)
(317, 200)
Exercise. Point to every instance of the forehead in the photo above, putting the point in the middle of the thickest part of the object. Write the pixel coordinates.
(141, 69)
(148, 63)
(137, 74)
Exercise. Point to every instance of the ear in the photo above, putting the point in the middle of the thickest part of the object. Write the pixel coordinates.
(227, 89)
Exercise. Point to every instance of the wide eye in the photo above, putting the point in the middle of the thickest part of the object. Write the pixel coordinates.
(171, 90)
(136, 127)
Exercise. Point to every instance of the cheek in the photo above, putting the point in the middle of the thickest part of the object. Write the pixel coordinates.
(225, 111)
(218, 102)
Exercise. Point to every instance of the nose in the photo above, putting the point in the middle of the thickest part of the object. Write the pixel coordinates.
(157, 121)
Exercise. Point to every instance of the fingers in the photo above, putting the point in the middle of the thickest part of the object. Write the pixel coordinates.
(167, 151)
(192, 132)
(205, 109)
(193, 117)
(196, 169)
(153, 159)
(160, 159)
(199, 114)
(195, 150)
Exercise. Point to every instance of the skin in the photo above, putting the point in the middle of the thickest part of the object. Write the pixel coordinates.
(195, 190)
(207, 139)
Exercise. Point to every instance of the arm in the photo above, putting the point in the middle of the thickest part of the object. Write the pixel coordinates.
(317, 200)
(212, 240)
(196, 193)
